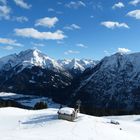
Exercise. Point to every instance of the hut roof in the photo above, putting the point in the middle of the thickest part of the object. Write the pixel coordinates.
(66, 110)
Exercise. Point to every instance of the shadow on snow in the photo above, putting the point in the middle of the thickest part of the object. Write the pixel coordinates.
(41, 119)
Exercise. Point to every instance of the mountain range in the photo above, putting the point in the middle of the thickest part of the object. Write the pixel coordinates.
(112, 87)
(32, 72)
(109, 86)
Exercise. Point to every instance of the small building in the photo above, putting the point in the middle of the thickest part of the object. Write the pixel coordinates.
(67, 113)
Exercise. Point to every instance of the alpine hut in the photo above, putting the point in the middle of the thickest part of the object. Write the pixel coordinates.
(67, 113)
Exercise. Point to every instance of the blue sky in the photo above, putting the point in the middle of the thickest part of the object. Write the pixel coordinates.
(70, 29)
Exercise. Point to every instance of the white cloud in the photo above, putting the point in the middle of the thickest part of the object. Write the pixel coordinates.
(38, 44)
(71, 52)
(33, 33)
(91, 16)
(22, 4)
(51, 10)
(123, 50)
(106, 52)
(97, 6)
(72, 27)
(134, 2)
(81, 45)
(118, 5)
(10, 42)
(8, 48)
(47, 22)
(59, 3)
(59, 12)
(21, 19)
(60, 42)
(75, 5)
(135, 14)
(5, 12)
(112, 25)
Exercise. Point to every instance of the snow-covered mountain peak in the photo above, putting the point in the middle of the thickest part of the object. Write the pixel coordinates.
(30, 53)
(34, 57)
(37, 58)
(77, 64)
(121, 60)
(29, 58)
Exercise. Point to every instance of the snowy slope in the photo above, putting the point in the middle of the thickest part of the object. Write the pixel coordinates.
(21, 124)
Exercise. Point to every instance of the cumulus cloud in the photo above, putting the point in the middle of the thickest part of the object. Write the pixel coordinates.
(72, 27)
(5, 12)
(75, 5)
(123, 50)
(47, 22)
(118, 5)
(81, 45)
(20, 19)
(112, 25)
(8, 41)
(135, 14)
(22, 4)
(71, 52)
(33, 33)
(134, 2)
